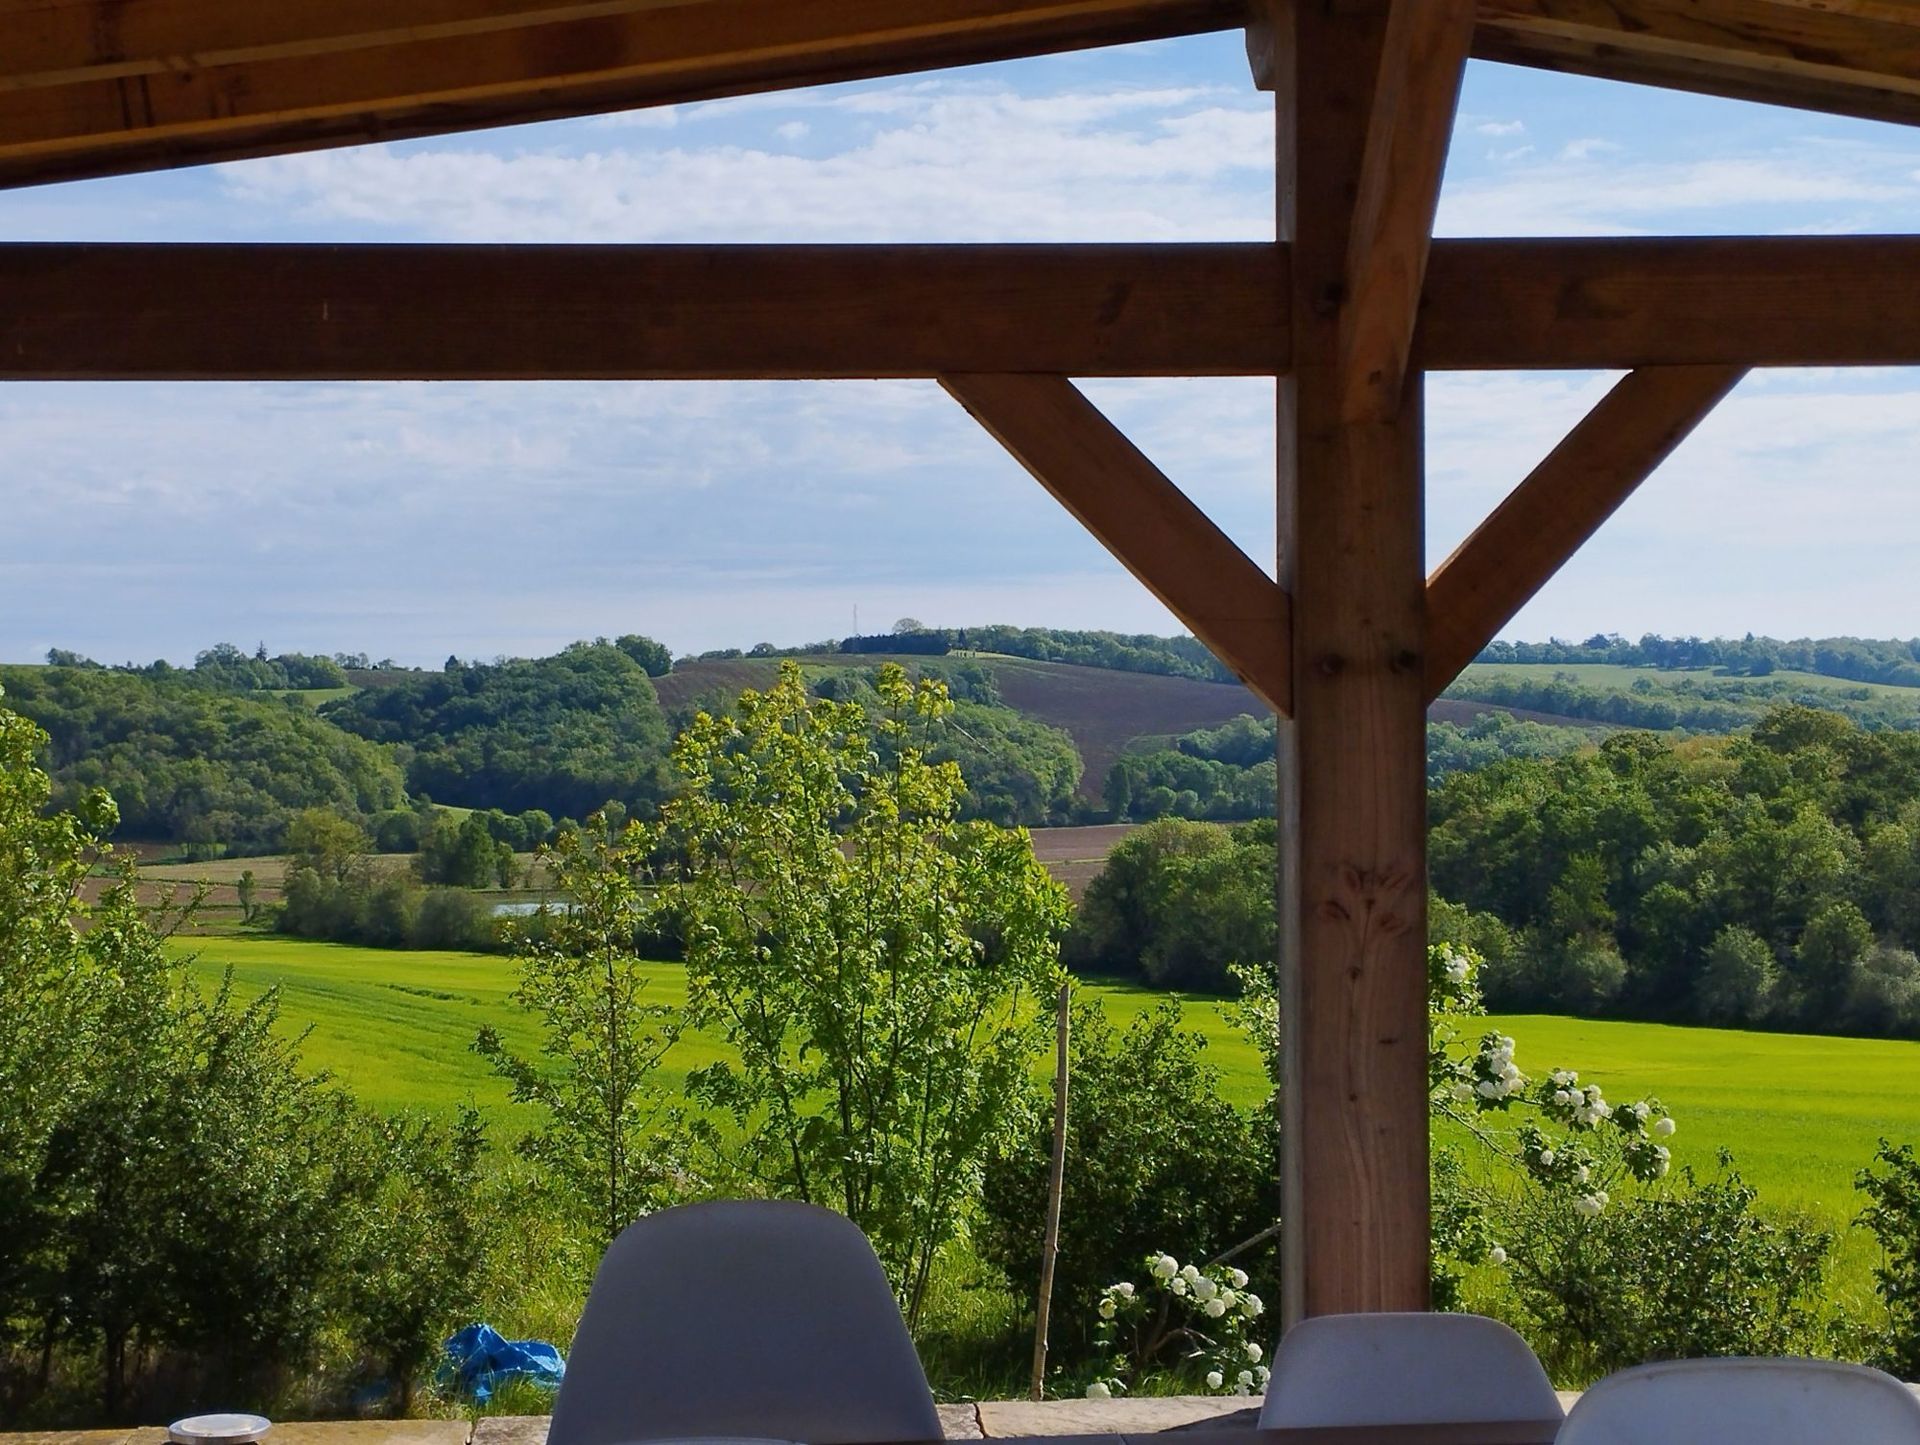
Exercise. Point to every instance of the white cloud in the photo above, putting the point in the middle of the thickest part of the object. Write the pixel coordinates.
(1500, 127)
(923, 161)
(1594, 193)
(1587, 147)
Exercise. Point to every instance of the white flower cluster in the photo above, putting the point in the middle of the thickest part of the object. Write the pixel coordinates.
(1564, 1098)
(1220, 1307)
(1496, 1078)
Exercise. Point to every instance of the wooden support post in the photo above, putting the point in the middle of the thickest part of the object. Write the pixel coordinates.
(1563, 501)
(1353, 978)
(1421, 62)
(1150, 525)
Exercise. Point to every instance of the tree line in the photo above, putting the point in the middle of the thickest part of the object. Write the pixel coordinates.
(1767, 879)
(1894, 661)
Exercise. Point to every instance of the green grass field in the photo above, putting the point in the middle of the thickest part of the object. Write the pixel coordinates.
(1800, 1113)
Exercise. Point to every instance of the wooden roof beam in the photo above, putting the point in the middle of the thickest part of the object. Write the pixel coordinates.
(1563, 502)
(314, 312)
(431, 312)
(1155, 531)
(1423, 55)
(1621, 303)
(89, 89)
(1849, 57)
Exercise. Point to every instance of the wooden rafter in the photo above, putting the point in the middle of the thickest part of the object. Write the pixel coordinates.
(89, 87)
(1851, 57)
(512, 312)
(100, 87)
(1421, 61)
(1563, 502)
(1607, 303)
(1150, 525)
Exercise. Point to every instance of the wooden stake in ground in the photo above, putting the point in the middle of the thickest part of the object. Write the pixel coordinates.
(1056, 1187)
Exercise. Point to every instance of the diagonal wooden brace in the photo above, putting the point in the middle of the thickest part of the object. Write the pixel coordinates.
(1140, 516)
(1563, 501)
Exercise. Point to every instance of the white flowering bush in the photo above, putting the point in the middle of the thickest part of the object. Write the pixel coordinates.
(1607, 1258)
(1570, 1140)
(1196, 1323)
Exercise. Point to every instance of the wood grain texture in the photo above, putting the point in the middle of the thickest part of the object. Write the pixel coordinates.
(235, 312)
(1563, 502)
(1623, 303)
(1859, 59)
(1142, 518)
(1352, 762)
(105, 87)
(1422, 59)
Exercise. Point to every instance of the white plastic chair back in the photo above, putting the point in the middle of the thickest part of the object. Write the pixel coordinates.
(743, 1318)
(1404, 1369)
(1745, 1402)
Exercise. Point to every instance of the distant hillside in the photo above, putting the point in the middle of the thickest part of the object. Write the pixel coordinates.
(1102, 710)
(1051, 726)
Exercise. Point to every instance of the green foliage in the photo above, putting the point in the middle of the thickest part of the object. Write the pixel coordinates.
(1178, 904)
(1016, 770)
(1760, 879)
(1122, 652)
(1737, 983)
(1894, 662)
(333, 890)
(1153, 1153)
(877, 967)
(178, 1198)
(1190, 1321)
(463, 853)
(227, 668)
(1891, 1184)
(654, 657)
(1457, 748)
(414, 1260)
(1689, 1271)
(604, 1141)
(191, 765)
(1228, 772)
(1610, 1259)
(562, 734)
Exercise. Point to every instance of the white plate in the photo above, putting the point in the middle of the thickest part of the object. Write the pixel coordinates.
(218, 1429)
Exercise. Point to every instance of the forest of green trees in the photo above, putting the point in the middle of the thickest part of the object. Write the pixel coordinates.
(1767, 879)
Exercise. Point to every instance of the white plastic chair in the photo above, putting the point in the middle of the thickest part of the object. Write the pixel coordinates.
(742, 1318)
(1404, 1369)
(1744, 1402)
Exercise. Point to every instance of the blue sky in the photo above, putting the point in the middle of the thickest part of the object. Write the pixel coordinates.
(418, 520)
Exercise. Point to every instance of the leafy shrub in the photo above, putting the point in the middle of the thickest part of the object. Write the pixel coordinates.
(1692, 1270)
(179, 1200)
(1155, 1159)
(415, 1255)
(1891, 1184)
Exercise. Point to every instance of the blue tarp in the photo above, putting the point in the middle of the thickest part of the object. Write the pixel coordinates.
(479, 1360)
